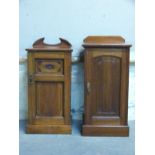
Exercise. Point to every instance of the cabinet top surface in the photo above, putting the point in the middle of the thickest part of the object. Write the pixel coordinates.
(105, 41)
(39, 45)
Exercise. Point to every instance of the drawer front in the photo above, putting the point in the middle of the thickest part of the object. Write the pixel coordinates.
(49, 66)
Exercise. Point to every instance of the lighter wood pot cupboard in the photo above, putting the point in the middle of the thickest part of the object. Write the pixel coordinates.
(49, 76)
(106, 73)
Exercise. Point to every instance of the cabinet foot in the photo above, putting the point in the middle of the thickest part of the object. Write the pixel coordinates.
(101, 130)
(48, 129)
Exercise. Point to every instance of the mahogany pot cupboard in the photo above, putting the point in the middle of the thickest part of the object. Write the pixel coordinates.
(49, 77)
(106, 73)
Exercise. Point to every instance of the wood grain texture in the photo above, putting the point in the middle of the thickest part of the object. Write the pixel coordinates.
(40, 44)
(49, 88)
(106, 87)
(49, 98)
(49, 66)
(31, 89)
(48, 129)
(67, 88)
(104, 39)
(101, 130)
(87, 78)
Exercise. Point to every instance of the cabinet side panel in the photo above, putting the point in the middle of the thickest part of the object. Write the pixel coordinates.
(67, 87)
(124, 87)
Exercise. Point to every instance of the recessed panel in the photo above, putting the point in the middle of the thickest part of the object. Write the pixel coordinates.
(106, 74)
(49, 66)
(49, 99)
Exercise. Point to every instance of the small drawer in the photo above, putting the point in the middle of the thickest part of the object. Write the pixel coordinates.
(49, 66)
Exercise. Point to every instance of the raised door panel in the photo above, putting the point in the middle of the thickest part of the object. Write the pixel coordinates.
(48, 103)
(106, 74)
(49, 99)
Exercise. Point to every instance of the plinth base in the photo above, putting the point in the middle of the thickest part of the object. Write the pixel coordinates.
(101, 130)
(48, 129)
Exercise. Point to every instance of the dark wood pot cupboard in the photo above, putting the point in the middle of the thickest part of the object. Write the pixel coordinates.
(106, 73)
(49, 76)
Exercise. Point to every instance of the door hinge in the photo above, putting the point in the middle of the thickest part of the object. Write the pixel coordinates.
(31, 79)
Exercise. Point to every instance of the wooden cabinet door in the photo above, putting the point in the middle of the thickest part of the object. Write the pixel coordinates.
(48, 88)
(106, 80)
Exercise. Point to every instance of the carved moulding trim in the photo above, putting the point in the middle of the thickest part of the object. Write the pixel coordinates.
(75, 59)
